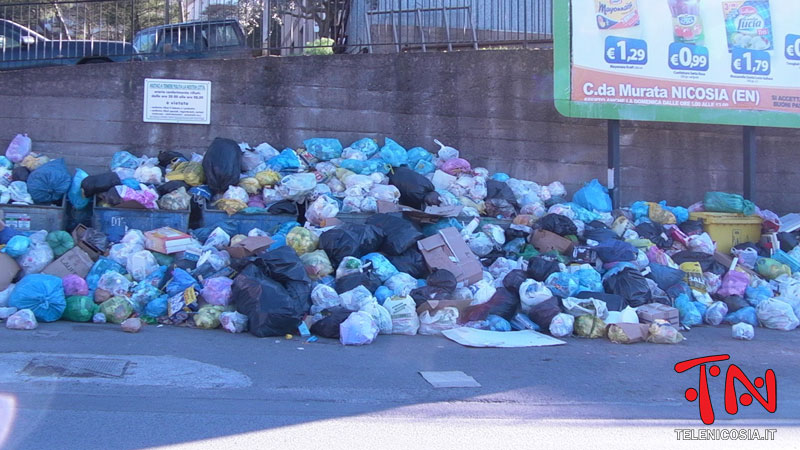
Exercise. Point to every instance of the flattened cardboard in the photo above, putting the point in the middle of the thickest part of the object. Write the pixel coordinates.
(546, 241)
(636, 332)
(75, 261)
(249, 246)
(447, 250)
(651, 312)
(8, 270)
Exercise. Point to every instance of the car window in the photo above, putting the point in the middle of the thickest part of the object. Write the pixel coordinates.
(182, 40)
(145, 42)
(9, 38)
(223, 35)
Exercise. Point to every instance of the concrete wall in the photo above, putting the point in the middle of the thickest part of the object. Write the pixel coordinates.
(495, 106)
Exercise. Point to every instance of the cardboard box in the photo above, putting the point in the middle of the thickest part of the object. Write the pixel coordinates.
(77, 235)
(8, 270)
(546, 241)
(435, 305)
(75, 261)
(167, 240)
(249, 246)
(653, 311)
(636, 332)
(447, 250)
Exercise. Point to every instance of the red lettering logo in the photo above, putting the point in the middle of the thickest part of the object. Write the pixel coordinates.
(734, 373)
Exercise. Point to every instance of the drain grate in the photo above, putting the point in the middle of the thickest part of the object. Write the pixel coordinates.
(76, 367)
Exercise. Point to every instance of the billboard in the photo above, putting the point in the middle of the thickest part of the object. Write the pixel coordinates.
(734, 62)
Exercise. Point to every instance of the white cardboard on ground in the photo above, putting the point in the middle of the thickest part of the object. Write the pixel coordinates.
(471, 337)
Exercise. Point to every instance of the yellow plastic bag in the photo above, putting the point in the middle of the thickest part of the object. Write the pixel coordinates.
(302, 240)
(268, 178)
(317, 264)
(33, 161)
(661, 215)
(190, 172)
(230, 206)
(250, 185)
(208, 317)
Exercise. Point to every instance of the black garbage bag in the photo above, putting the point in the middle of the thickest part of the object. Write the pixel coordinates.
(425, 293)
(442, 279)
(498, 190)
(401, 234)
(96, 239)
(540, 268)
(655, 233)
(788, 241)
(631, 285)
(615, 251)
(691, 227)
(614, 302)
(514, 280)
(558, 224)
(110, 197)
(599, 232)
(222, 165)
(20, 174)
(707, 262)
(328, 327)
(679, 289)
(270, 309)
(411, 262)
(165, 159)
(368, 279)
(201, 234)
(665, 277)
(503, 303)
(735, 303)
(413, 187)
(542, 313)
(283, 207)
(49, 183)
(172, 186)
(97, 184)
(350, 240)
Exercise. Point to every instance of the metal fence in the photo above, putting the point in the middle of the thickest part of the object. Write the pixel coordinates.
(97, 30)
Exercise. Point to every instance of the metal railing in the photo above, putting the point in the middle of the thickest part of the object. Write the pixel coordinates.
(79, 31)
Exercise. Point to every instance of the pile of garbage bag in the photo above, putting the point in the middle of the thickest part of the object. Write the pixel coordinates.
(437, 244)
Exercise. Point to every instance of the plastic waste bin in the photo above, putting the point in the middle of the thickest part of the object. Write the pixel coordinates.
(246, 222)
(115, 222)
(35, 217)
(729, 230)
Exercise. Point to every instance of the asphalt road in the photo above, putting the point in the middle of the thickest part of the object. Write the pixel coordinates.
(178, 387)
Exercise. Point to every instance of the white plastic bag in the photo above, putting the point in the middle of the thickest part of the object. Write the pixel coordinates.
(531, 293)
(357, 298)
(217, 239)
(119, 253)
(38, 257)
(148, 174)
(480, 244)
(358, 329)
(444, 319)
(716, 313)
(141, 264)
(322, 209)
(18, 190)
(404, 315)
(628, 315)
(236, 193)
(385, 193)
(562, 325)
(134, 237)
(381, 317)
(702, 243)
(743, 331)
(23, 319)
(482, 292)
(747, 257)
(401, 284)
(348, 266)
(446, 152)
(583, 306)
(295, 187)
(324, 296)
(777, 315)
(233, 322)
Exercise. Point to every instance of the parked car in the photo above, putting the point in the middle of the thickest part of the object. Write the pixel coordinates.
(193, 40)
(21, 47)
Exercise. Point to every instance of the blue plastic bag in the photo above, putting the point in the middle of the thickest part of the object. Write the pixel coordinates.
(280, 241)
(746, 315)
(665, 277)
(157, 307)
(497, 323)
(17, 246)
(423, 167)
(380, 266)
(689, 315)
(433, 228)
(102, 266)
(701, 308)
(500, 176)
(42, 294)
(681, 214)
(418, 154)
(356, 166)
(367, 146)
(589, 280)
(581, 213)
(594, 197)
(287, 160)
(7, 233)
(49, 183)
(125, 160)
(142, 295)
(382, 293)
(75, 194)
(132, 183)
(394, 154)
(181, 280)
(5, 162)
(640, 210)
(563, 284)
(324, 149)
(756, 295)
(616, 251)
(285, 228)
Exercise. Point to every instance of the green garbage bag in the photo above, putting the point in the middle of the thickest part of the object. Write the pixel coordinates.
(771, 269)
(116, 309)
(60, 241)
(728, 203)
(79, 309)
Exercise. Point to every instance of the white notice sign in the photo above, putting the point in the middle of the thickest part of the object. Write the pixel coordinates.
(177, 101)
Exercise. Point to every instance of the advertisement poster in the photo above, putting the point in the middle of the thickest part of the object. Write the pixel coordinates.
(715, 55)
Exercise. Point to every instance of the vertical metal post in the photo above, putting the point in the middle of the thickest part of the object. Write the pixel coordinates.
(750, 151)
(613, 162)
(266, 18)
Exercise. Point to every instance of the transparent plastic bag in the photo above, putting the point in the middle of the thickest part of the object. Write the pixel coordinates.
(19, 148)
(441, 320)
(324, 296)
(743, 331)
(348, 266)
(716, 313)
(148, 173)
(661, 332)
(385, 193)
(233, 322)
(217, 239)
(296, 187)
(236, 193)
(321, 209)
(356, 299)
(404, 315)
(401, 284)
(381, 317)
(114, 283)
(777, 315)
(531, 293)
(18, 190)
(302, 240)
(141, 264)
(23, 319)
(359, 329)
(39, 255)
(446, 152)
(562, 325)
(177, 200)
(317, 264)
